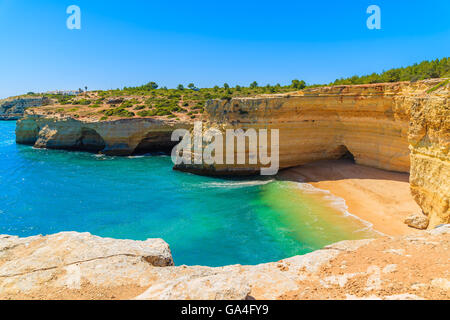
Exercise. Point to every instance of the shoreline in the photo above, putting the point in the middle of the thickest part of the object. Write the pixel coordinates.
(380, 198)
(338, 203)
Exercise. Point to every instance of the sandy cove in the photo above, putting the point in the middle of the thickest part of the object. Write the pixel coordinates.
(402, 127)
(380, 197)
(81, 266)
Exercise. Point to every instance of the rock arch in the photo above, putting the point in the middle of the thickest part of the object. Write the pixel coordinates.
(90, 140)
(155, 141)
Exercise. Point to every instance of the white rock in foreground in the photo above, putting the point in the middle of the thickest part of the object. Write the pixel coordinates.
(82, 266)
(72, 260)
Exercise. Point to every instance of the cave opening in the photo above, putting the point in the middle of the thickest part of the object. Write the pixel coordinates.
(155, 142)
(345, 154)
(90, 141)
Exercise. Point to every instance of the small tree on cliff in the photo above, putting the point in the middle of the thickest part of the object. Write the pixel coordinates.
(152, 85)
(298, 84)
(254, 85)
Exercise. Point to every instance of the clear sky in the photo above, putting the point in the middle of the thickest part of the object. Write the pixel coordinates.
(127, 43)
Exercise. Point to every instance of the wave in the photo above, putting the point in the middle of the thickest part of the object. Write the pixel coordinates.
(140, 156)
(235, 184)
(337, 203)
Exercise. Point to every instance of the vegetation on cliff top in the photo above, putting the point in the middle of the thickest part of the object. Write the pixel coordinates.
(424, 70)
(151, 100)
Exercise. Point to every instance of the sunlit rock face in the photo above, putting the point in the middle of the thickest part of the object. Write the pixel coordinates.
(14, 108)
(74, 265)
(429, 138)
(326, 123)
(120, 137)
(397, 126)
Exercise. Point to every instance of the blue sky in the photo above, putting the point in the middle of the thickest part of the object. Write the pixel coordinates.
(126, 43)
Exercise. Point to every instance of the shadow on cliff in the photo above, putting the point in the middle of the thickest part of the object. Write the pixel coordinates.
(334, 170)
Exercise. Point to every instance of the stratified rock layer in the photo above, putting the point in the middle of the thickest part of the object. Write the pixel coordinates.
(81, 266)
(120, 137)
(429, 138)
(401, 127)
(13, 109)
(380, 125)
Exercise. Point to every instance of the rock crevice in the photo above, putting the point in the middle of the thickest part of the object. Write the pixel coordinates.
(82, 266)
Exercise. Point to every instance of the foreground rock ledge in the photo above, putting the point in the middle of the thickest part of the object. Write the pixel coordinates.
(81, 266)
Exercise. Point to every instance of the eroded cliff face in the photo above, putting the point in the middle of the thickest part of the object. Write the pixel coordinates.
(120, 137)
(81, 266)
(429, 138)
(370, 122)
(397, 126)
(387, 126)
(13, 109)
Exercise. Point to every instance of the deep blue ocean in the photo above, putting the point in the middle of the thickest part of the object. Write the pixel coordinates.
(206, 221)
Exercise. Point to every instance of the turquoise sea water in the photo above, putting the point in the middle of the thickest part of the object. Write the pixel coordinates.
(206, 221)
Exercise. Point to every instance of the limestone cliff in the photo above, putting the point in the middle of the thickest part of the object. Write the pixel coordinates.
(379, 124)
(370, 122)
(396, 126)
(429, 138)
(120, 137)
(81, 266)
(14, 108)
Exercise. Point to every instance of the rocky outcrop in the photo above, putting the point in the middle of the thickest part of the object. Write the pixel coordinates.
(371, 122)
(120, 137)
(81, 266)
(401, 127)
(429, 138)
(14, 108)
(418, 221)
(74, 261)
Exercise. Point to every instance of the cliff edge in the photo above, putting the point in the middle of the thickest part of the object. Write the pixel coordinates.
(402, 127)
(14, 108)
(81, 266)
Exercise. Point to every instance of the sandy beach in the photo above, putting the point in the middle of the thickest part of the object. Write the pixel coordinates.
(380, 197)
